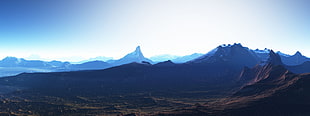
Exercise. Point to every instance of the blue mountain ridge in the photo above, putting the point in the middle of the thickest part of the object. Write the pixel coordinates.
(224, 53)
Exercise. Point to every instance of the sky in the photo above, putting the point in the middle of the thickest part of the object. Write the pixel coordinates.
(80, 29)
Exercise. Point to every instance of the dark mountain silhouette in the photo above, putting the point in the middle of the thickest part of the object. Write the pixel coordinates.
(273, 73)
(263, 71)
(232, 54)
(274, 58)
(229, 80)
(269, 90)
(207, 75)
(164, 74)
(235, 55)
(166, 63)
(223, 67)
(303, 68)
(279, 94)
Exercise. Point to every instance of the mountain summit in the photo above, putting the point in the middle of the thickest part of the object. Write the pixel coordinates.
(274, 58)
(297, 54)
(233, 54)
(135, 56)
(296, 59)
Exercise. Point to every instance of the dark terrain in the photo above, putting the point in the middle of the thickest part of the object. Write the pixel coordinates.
(230, 82)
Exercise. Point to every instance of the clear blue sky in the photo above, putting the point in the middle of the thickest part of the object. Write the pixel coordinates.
(59, 29)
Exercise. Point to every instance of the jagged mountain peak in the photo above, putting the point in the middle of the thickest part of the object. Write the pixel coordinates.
(297, 54)
(231, 45)
(138, 49)
(137, 53)
(135, 56)
(296, 59)
(274, 58)
(231, 49)
(231, 54)
(264, 51)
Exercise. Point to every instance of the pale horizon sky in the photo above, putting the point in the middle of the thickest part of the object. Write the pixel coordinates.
(80, 29)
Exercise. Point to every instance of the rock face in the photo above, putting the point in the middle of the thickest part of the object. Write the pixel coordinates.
(274, 59)
(268, 89)
(273, 67)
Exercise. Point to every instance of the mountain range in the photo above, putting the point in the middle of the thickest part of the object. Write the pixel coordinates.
(13, 66)
(229, 80)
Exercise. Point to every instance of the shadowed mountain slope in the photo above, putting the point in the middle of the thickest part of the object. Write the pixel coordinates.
(268, 90)
(232, 54)
(296, 59)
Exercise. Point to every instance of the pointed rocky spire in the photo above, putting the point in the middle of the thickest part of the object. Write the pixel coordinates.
(297, 54)
(138, 49)
(237, 45)
(138, 52)
(274, 58)
(135, 56)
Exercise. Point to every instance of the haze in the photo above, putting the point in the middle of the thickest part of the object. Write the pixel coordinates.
(77, 29)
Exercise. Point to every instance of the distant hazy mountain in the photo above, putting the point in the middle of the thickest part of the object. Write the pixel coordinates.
(99, 58)
(164, 57)
(20, 62)
(13, 66)
(295, 59)
(135, 56)
(10, 62)
(174, 58)
(291, 60)
(186, 58)
(55, 63)
(91, 65)
(302, 68)
(235, 55)
(231, 80)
